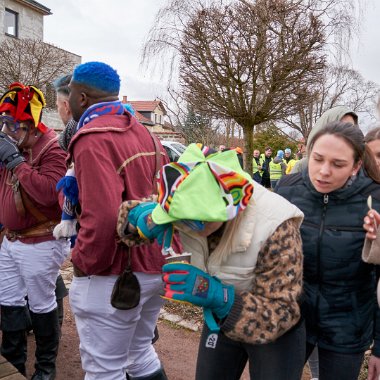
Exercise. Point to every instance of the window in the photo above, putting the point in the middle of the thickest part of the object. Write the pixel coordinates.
(11, 23)
(157, 119)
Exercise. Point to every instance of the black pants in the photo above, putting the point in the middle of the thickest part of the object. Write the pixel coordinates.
(279, 360)
(265, 181)
(257, 177)
(335, 365)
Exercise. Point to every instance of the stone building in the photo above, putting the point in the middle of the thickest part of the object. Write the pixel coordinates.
(25, 19)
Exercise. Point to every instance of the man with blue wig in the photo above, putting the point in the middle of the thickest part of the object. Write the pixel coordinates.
(115, 160)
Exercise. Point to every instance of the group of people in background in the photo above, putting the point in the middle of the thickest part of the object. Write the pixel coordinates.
(268, 170)
(279, 274)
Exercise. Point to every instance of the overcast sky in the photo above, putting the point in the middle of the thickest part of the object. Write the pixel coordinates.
(113, 31)
(110, 31)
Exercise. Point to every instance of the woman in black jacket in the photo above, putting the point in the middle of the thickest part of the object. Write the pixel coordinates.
(339, 303)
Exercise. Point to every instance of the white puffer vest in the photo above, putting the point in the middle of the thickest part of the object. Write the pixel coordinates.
(263, 215)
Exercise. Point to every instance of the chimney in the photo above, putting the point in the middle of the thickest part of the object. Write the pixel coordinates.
(125, 99)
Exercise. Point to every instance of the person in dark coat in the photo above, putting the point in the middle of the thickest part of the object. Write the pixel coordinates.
(339, 299)
(266, 159)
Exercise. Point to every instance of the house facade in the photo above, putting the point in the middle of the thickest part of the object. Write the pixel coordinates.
(25, 19)
(151, 113)
(22, 19)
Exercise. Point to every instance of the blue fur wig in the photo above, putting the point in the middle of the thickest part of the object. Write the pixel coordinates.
(97, 75)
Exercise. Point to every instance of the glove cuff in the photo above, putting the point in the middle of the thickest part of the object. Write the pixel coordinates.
(234, 315)
(228, 298)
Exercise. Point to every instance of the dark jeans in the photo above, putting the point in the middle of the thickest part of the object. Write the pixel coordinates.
(279, 360)
(273, 183)
(336, 365)
(265, 181)
(257, 177)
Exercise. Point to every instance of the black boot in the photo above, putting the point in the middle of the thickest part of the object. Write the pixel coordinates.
(60, 312)
(158, 375)
(46, 332)
(14, 323)
(156, 335)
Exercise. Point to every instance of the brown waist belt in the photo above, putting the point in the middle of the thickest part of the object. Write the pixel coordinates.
(77, 272)
(39, 230)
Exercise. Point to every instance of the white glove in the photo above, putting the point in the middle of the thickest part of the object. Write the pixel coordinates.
(65, 229)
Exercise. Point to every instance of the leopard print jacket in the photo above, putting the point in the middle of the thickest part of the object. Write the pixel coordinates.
(270, 309)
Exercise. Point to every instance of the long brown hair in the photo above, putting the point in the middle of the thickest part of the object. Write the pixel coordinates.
(355, 138)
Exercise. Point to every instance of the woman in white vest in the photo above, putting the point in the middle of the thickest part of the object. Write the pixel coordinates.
(246, 265)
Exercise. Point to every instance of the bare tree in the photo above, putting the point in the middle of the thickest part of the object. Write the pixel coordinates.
(192, 124)
(338, 86)
(33, 62)
(251, 62)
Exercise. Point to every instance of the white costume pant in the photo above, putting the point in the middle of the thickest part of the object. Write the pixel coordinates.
(31, 269)
(115, 341)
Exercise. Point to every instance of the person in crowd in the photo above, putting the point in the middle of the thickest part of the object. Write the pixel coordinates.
(31, 165)
(339, 301)
(246, 265)
(61, 86)
(256, 166)
(62, 89)
(289, 160)
(266, 159)
(277, 168)
(371, 250)
(338, 113)
(372, 139)
(115, 160)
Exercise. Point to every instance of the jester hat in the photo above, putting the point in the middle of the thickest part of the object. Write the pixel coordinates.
(204, 185)
(24, 103)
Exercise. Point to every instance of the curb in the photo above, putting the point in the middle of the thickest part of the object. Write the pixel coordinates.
(179, 321)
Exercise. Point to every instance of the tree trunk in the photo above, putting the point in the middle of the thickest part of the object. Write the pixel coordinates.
(248, 141)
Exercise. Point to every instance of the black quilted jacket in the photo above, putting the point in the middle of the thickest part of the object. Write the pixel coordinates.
(339, 301)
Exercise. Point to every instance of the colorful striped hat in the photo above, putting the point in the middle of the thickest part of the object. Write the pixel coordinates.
(24, 103)
(204, 185)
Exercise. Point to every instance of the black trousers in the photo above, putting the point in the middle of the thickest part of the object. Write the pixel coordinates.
(280, 360)
(265, 181)
(335, 365)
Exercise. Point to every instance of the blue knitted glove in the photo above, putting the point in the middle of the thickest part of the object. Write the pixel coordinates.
(68, 225)
(140, 217)
(69, 186)
(185, 282)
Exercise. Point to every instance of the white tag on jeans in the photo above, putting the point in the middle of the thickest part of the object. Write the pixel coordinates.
(211, 341)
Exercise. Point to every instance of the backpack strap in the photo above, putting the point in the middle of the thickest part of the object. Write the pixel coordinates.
(23, 202)
(29, 206)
